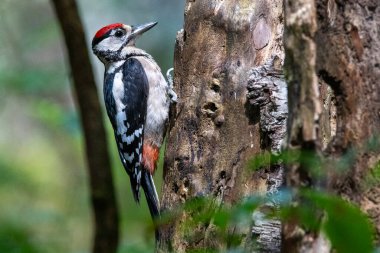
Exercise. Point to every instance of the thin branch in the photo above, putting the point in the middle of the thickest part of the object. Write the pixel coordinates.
(99, 167)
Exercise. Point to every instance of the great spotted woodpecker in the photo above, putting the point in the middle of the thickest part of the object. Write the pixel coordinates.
(137, 99)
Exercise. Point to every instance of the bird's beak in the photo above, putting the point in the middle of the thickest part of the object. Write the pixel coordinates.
(140, 29)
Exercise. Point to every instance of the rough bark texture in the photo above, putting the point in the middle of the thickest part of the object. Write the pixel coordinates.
(215, 131)
(99, 166)
(348, 66)
(304, 106)
(267, 92)
(332, 62)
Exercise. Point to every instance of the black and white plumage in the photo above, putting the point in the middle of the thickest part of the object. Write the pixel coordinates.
(125, 92)
(137, 99)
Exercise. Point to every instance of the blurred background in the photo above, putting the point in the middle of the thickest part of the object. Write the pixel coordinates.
(44, 196)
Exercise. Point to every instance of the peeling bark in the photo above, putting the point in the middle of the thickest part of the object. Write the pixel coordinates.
(214, 132)
(267, 91)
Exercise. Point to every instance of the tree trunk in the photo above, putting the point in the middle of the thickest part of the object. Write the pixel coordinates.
(99, 166)
(216, 129)
(332, 62)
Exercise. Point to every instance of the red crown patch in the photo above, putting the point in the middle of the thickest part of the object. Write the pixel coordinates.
(106, 29)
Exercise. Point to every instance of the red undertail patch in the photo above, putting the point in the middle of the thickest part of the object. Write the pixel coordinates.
(150, 157)
(107, 28)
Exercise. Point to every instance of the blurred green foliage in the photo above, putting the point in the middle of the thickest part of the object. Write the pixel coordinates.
(347, 228)
(44, 196)
(344, 224)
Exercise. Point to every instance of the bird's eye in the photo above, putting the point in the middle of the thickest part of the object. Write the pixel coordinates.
(119, 33)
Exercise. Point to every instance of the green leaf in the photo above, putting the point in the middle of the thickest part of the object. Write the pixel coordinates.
(222, 218)
(266, 159)
(372, 178)
(305, 215)
(346, 226)
(259, 161)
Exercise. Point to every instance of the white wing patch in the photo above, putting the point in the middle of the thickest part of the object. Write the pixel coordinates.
(118, 89)
(138, 132)
(121, 117)
(139, 176)
(128, 157)
(128, 139)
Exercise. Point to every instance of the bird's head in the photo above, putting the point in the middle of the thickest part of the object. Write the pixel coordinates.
(109, 42)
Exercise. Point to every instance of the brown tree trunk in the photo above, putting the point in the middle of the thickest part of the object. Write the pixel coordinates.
(332, 61)
(215, 129)
(99, 166)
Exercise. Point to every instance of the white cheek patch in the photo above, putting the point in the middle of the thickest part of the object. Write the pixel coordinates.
(109, 44)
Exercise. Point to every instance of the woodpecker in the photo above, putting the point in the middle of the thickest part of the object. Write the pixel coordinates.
(137, 99)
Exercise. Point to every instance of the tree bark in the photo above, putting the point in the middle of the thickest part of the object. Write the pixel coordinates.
(99, 166)
(216, 128)
(348, 57)
(304, 106)
(332, 61)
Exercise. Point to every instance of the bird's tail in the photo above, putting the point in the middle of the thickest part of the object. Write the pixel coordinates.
(135, 185)
(151, 197)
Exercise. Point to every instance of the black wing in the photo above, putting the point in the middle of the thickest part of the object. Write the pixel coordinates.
(129, 128)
